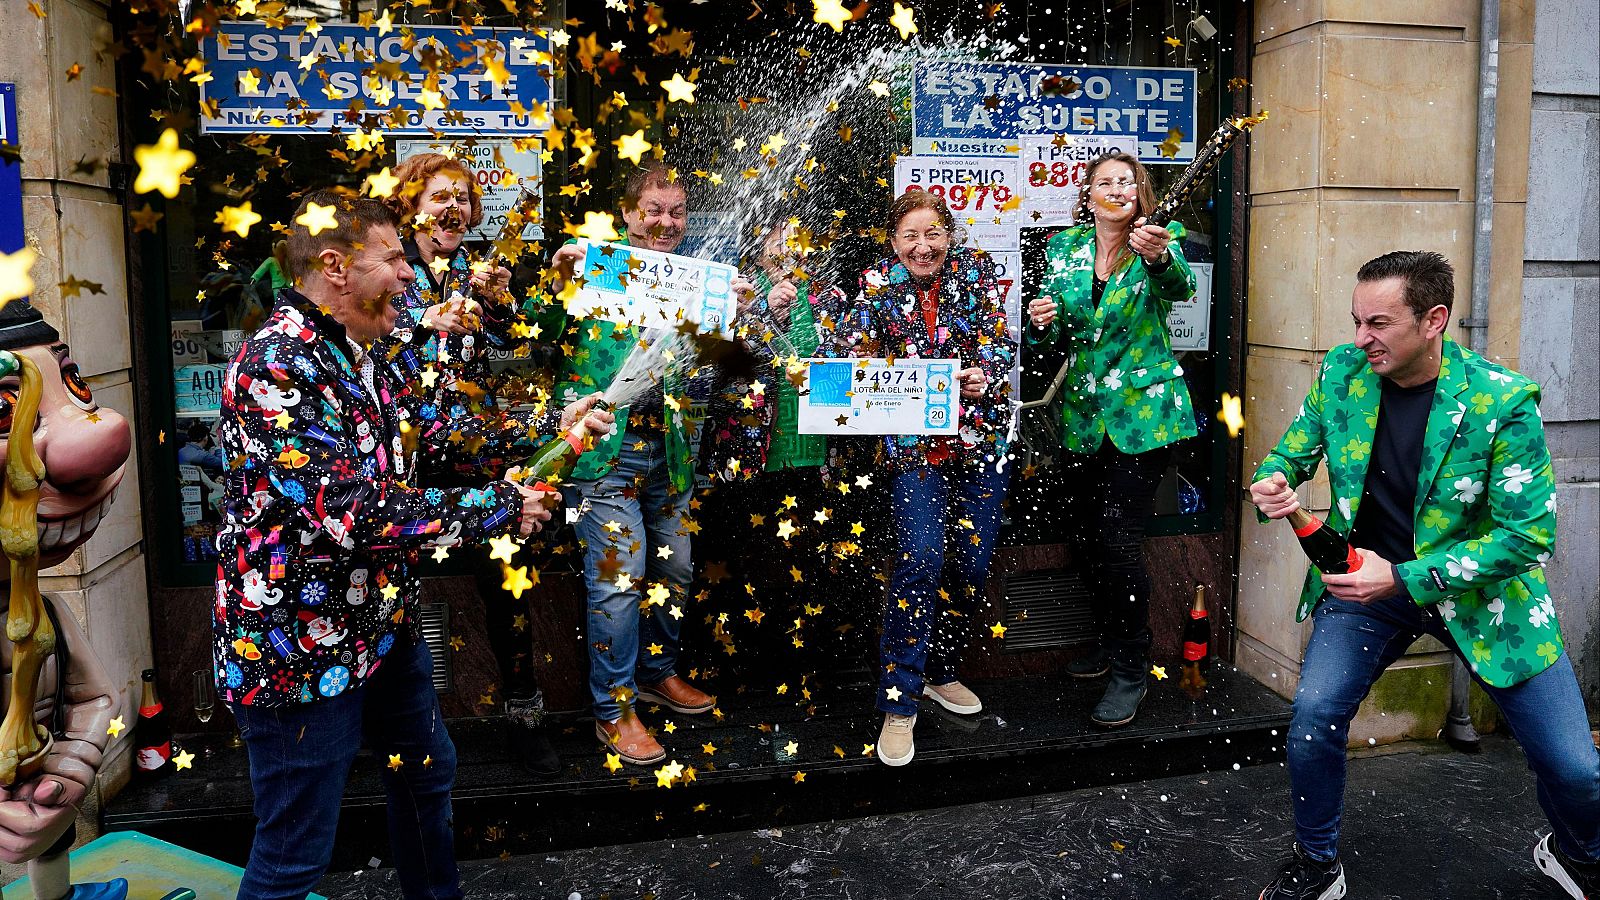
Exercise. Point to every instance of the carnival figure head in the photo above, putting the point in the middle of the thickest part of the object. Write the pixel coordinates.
(1116, 191)
(438, 202)
(83, 446)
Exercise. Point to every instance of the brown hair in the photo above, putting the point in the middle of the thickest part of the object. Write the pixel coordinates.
(917, 198)
(353, 218)
(1145, 194)
(414, 173)
(652, 174)
(1430, 279)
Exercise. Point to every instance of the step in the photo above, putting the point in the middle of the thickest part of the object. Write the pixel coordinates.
(1033, 737)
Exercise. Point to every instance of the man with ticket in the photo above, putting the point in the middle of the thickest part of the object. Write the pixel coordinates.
(631, 491)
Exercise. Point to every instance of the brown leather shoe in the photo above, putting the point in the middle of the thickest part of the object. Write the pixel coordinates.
(678, 695)
(628, 738)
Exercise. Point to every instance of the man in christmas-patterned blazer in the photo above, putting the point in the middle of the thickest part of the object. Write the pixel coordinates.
(1442, 482)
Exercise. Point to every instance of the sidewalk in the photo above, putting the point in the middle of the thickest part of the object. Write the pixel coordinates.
(1421, 823)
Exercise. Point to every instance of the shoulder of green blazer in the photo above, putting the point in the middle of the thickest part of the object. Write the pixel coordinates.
(1484, 516)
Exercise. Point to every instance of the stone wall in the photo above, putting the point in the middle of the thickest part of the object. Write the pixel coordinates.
(73, 218)
(1370, 148)
(1561, 306)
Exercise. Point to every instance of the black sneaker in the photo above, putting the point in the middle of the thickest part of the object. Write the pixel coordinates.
(530, 745)
(1580, 880)
(1304, 878)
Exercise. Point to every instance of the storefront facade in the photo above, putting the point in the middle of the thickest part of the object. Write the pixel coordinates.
(1370, 146)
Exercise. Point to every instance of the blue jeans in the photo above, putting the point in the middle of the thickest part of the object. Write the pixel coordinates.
(625, 519)
(924, 634)
(300, 757)
(1351, 645)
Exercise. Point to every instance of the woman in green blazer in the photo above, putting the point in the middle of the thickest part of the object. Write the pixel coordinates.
(1109, 283)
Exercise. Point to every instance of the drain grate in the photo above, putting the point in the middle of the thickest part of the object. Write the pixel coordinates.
(1057, 607)
(435, 620)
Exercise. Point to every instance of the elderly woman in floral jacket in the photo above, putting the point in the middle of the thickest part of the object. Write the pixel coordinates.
(935, 300)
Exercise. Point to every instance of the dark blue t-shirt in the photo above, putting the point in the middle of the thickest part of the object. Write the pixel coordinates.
(1386, 521)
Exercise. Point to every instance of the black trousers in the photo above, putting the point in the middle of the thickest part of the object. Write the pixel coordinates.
(1111, 497)
(512, 645)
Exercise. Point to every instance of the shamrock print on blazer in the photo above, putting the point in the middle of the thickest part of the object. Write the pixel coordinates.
(1485, 514)
(1122, 379)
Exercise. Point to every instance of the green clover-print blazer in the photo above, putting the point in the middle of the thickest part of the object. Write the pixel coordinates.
(1485, 514)
(1123, 381)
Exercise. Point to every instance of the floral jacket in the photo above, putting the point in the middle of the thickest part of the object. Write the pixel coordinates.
(1122, 379)
(314, 584)
(1485, 515)
(885, 321)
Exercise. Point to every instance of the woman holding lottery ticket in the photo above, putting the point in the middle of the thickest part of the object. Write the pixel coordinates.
(1109, 283)
(935, 299)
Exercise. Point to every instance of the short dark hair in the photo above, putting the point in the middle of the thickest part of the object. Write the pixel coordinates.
(652, 174)
(354, 217)
(1429, 277)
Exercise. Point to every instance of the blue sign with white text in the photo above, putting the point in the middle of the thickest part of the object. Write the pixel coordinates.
(402, 79)
(11, 237)
(973, 108)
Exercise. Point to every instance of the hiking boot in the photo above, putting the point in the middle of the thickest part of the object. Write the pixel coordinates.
(1304, 878)
(895, 747)
(628, 738)
(954, 697)
(678, 695)
(1126, 689)
(1093, 664)
(530, 743)
(1581, 881)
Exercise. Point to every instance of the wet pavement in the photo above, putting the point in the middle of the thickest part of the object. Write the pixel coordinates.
(1421, 822)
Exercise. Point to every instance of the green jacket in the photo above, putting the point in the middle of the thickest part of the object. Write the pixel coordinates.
(1485, 514)
(593, 352)
(1123, 380)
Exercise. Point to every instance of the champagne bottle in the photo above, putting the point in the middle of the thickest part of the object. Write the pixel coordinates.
(1328, 551)
(1196, 645)
(152, 734)
(553, 461)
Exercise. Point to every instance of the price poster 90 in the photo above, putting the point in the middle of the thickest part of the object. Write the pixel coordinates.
(980, 190)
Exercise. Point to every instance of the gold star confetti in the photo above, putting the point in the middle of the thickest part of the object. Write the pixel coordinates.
(381, 184)
(1172, 41)
(799, 777)
(613, 762)
(184, 760)
(237, 219)
(892, 693)
(831, 13)
(395, 762)
(1158, 672)
(317, 218)
(997, 630)
(1174, 142)
(15, 282)
(503, 548)
(904, 20)
(1232, 414)
(669, 773)
(598, 226)
(115, 729)
(633, 147)
(516, 580)
(161, 165)
(679, 89)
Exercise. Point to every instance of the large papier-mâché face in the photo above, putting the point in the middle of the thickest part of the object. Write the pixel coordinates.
(84, 448)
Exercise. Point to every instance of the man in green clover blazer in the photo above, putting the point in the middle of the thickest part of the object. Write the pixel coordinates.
(1441, 480)
(632, 492)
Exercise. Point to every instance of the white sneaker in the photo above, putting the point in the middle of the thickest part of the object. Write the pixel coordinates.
(895, 746)
(954, 697)
(1553, 863)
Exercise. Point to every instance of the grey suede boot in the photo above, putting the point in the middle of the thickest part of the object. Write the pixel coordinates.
(1130, 664)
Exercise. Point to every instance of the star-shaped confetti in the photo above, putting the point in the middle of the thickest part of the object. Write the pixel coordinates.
(679, 89)
(1158, 672)
(184, 760)
(831, 13)
(15, 280)
(317, 218)
(633, 147)
(1232, 414)
(516, 581)
(161, 165)
(115, 728)
(238, 219)
(904, 19)
(395, 762)
(503, 548)
(598, 226)
(613, 762)
(381, 184)
(997, 630)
